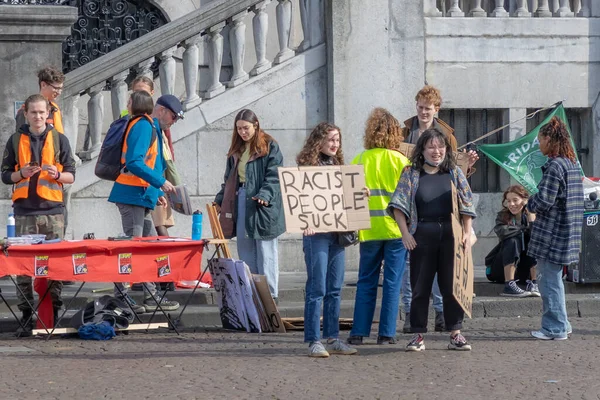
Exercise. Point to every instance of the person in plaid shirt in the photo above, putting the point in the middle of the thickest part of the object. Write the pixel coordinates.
(556, 232)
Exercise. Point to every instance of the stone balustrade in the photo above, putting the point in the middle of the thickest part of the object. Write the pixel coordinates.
(511, 8)
(112, 70)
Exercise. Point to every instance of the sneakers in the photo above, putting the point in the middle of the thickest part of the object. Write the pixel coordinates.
(542, 336)
(406, 328)
(338, 347)
(533, 289)
(458, 342)
(317, 350)
(386, 340)
(355, 340)
(137, 308)
(512, 290)
(416, 344)
(439, 322)
(151, 305)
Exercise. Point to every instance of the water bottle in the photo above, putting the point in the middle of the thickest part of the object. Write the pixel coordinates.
(10, 226)
(197, 225)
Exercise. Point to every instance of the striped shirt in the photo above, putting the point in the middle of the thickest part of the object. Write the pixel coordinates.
(556, 232)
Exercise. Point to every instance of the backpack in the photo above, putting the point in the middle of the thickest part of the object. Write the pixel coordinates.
(109, 165)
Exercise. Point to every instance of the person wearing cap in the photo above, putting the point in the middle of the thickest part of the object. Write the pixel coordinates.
(139, 188)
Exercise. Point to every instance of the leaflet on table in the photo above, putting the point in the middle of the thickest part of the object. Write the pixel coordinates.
(179, 200)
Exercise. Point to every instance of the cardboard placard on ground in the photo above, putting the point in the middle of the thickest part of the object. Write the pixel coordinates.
(326, 199)
(462, 281)
(462, 158)
(262, 287)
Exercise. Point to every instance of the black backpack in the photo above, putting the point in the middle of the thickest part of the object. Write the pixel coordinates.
(109, 165)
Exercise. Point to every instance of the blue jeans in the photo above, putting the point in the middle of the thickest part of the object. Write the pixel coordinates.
(406, 292)
(261, 256)
(372, 253)
(554, 308)
(325, 265)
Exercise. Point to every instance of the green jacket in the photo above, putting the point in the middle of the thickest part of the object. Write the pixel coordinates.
(262, 181)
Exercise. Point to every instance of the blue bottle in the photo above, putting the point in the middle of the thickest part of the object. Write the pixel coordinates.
(197, 225)
(10, 226)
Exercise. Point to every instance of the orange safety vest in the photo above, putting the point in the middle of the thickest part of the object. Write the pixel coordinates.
(47, 187)
(126, 177)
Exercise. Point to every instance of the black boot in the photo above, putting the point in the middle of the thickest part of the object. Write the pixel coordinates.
(439, 322)
(56, 315)
(27, 324)
(406, 327)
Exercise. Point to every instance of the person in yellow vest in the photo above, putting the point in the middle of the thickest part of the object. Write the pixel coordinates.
(51, 82)
(383, 165)
(38, 161)
(140, 186)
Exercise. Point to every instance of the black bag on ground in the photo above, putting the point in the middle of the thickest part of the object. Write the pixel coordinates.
(104, 309)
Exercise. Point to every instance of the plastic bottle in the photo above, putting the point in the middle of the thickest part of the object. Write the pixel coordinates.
(197, 225)
(10, 226)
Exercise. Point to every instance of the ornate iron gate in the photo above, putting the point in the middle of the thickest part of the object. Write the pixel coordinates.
(105, 25)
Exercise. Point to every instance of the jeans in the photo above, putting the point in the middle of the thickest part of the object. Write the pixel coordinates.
(325, 265)
(554, 309)
(433, 255)
(372, 253)
(261, 256)
(137, 222)
(406, 292)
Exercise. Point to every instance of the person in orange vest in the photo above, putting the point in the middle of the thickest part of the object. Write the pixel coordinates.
(51, 82)
(140, 186)
(38, 161)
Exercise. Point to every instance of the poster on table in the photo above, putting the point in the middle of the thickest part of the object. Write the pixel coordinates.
(326, 198)
(462, 281)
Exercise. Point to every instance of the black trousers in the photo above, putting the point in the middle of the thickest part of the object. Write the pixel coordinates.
(434, 254)
(512, 251)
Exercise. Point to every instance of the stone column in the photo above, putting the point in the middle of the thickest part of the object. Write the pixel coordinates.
(26, 48)
(215, 60)
(237, 43)
(167, 70)
(499, 11)
(431, 9)
(585, 9)
(476, 10)
(145, 68)
(70, 114)
(304, 20)
(543, 10)
(95, 108)
(118, 94)
(521, 10)
(564, 10)
(190, 72)
(260, 27)
(284, 26)
(454, 10)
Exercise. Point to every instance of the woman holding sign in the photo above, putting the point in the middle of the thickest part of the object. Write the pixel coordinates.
(556, 234)
(422, 206)
(324, 255)
(249, 201)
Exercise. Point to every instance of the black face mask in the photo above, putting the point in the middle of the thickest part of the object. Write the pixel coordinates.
(432, 164)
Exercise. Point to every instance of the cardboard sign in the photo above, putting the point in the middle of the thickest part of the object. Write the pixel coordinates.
(462, 281)
(462, 158)
(262, 287)
(326, 199)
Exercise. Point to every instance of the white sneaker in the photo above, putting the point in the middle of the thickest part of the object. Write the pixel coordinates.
(533, 289)
(339, 347)
(316, 349)
(542, 336)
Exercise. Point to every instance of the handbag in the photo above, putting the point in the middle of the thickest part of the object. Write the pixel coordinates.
(346, 239)
(171, 173)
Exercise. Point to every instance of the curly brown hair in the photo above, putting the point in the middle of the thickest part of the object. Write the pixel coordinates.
(382, 131)
(431, 95)
(259, 144)
(519, 191)
(310, 153)
(560, 140)
(50, 75)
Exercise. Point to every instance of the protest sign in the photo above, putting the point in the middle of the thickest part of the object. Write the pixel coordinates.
(462, 158)
(326, 199)
(522, 157)
(462, 281)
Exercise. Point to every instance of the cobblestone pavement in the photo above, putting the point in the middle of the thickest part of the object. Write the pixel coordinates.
(505, 364)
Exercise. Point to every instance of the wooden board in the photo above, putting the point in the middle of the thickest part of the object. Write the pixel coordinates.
(260, 281)
(131, 327)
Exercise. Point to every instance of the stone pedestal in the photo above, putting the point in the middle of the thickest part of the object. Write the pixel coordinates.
(30, 38)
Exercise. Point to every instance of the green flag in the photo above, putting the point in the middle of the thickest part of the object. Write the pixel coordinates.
(522, 157)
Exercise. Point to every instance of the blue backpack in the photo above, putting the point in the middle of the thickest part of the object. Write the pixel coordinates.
(109, 165)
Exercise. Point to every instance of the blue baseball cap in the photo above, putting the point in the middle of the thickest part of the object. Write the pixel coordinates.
(172, 103)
